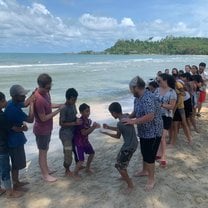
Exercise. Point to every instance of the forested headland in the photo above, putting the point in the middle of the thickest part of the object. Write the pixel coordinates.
(169, 45)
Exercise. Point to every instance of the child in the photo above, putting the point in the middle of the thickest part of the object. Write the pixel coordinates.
(82, 144)
(4, 155)
(130, 142)
(68, 120)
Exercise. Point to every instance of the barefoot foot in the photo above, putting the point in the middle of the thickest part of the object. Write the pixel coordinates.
(49, 178)
(89, 171)
(69, 173)
(14, 194)
(141, 174)
(149, 186)
(22, 183)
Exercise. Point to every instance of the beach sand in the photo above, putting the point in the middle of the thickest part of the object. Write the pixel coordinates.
(183, 184)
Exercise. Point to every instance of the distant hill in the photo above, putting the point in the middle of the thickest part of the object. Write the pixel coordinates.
(169, 45)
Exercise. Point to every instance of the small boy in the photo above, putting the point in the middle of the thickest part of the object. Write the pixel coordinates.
(68, 120)
(4, 154)
(82, 144)
(130, 142)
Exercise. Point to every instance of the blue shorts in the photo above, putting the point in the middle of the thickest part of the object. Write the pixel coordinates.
(80, 150)
(5, 171)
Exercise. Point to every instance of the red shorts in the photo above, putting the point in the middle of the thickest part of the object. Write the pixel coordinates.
(202, 97)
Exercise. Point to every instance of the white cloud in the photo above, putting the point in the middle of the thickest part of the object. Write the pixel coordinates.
(35, 25)
(39, 9)
(98, 23)
(127, 22)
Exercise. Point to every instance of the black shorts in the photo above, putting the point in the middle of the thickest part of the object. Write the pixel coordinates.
(177, 114)
(43, 141)
(188, 107)
(149, 147)
(123, 158)
(167, 121)
(18, 157)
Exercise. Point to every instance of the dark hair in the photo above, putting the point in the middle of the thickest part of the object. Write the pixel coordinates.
(71, 93)
(153, 84)
(187, 75)
(202, 64)
(43, 80)
(2, 96)
(83, 107)
(115, 107)
(169, 78)
(181, 71)
(188, 66)
(197, 78)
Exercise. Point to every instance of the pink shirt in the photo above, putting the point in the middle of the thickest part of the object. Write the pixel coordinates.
(42, 106)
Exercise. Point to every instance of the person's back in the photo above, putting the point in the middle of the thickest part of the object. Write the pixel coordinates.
(129, 134)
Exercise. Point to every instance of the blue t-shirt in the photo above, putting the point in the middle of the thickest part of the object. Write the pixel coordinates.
(15, 117)
(144, 105)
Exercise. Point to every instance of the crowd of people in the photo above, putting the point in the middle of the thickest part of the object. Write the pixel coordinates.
(168, 102)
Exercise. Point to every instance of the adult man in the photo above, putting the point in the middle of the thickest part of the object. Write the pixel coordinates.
(147, 116)
(16, 140)
(44, 122)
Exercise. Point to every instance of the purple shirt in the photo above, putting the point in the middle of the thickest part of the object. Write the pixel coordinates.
(42, 106)
(79, 139)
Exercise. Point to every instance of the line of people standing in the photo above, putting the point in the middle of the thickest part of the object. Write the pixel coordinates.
(176, 97)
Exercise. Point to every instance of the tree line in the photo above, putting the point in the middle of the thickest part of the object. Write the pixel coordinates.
(169, 45)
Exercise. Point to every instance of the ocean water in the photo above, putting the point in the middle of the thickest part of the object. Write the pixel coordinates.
(99, 79)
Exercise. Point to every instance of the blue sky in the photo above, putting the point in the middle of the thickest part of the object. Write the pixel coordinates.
(77, 25)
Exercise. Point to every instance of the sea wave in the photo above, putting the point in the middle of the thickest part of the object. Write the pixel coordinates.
(36, 65)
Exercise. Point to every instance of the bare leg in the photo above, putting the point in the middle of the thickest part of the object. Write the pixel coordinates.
(125, 176)
(77, 169)
(89, 161)
(151, 176)
(193, 123)
(174, 133)
(144, 171)
(163, 148)
(15, 177)
(186, 129)
(199, 108)
(44, 166)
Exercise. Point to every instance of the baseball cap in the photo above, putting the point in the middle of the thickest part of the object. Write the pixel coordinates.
(18, 90)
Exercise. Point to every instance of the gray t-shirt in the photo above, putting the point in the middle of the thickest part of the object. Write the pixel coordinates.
(67, 114)
(166, 98)
(129, 135)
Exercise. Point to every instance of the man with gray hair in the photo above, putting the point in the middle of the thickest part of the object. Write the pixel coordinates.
(147, 117)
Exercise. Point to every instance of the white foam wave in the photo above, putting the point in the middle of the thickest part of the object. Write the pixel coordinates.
(36, 65)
